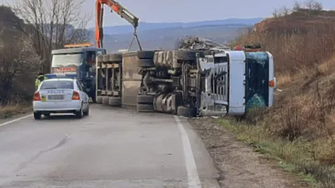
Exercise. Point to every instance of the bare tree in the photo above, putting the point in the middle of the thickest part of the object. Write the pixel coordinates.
(18, 62)
(313, 5)
(275, 13)
(54, 23)
(285, 11)
(297, 6)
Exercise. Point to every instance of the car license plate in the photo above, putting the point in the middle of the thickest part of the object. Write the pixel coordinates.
(56, 97)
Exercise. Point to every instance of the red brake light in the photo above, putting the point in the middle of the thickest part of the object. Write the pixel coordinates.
(75, 95)
(37, 96)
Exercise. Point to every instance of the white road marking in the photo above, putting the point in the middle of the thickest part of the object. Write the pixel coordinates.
(14, 120)
(191, 167)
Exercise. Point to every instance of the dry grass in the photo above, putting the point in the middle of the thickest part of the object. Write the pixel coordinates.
(11, 110)
(284, 79)
(308, 159)
(299, 129)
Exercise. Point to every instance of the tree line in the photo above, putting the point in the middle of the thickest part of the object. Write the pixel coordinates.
(29, 31)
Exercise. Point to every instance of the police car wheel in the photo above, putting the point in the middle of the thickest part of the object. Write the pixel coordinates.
(37, 115)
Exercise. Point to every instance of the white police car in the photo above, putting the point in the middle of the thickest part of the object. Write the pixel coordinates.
(60, 95)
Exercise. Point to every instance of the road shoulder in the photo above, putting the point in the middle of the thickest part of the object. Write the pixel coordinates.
(204, 165)
(238, 165)
(14, 113)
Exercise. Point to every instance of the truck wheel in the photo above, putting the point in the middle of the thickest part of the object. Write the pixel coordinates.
(185, 55)
(145, 63)
(105, 100)
(114, 101)
(145, 54)
(115, 57)
(100, 58)
(105, 58)
(185, 111)
(145, 107)
(145, 99)
(99, 99)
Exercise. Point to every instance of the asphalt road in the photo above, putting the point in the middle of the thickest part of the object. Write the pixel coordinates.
(110, 148)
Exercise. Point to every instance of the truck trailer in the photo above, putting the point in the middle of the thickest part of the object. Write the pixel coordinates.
(187, 82)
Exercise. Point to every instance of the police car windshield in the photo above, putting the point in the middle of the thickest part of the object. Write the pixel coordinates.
(57, 84)
(63, 60)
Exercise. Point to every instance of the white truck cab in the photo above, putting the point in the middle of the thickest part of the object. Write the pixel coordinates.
(236, 81)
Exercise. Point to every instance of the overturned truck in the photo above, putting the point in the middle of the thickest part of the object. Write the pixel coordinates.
(186, 82)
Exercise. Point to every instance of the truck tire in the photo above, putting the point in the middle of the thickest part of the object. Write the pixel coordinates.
(185, 111)
(145, 107)
(145, 63)
(145, 99)
(105, 58)
(115, 57)
(186, 55)
(99, 99)
(114, 101)
(105, 100)
(145, 54)
(100, 58)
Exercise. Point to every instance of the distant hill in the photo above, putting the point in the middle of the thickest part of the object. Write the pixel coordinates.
(144, 26)
(165, 35)
(302, 20)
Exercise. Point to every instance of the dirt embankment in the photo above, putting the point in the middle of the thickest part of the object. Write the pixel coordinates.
(298, 131)
(239, 166)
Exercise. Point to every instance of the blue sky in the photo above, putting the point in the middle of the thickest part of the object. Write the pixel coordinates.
(192, 10)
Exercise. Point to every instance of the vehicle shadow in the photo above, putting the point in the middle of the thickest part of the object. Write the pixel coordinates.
(55, 117)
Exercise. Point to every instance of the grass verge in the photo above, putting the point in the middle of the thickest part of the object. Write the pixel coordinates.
(11, 110)
(302, 157)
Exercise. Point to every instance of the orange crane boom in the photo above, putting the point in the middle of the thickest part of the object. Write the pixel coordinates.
(121, 11)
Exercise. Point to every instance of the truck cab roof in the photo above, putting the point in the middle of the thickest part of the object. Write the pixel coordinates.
(76, 50)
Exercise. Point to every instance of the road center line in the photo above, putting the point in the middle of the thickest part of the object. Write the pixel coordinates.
(191, 168)
(14, 120)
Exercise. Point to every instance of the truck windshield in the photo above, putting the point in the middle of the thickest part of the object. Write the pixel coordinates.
(257, 79)
(63, 60)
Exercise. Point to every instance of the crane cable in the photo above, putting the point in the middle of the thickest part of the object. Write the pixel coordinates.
(137, 39)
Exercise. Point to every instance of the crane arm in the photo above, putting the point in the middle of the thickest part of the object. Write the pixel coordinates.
(116, 7)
